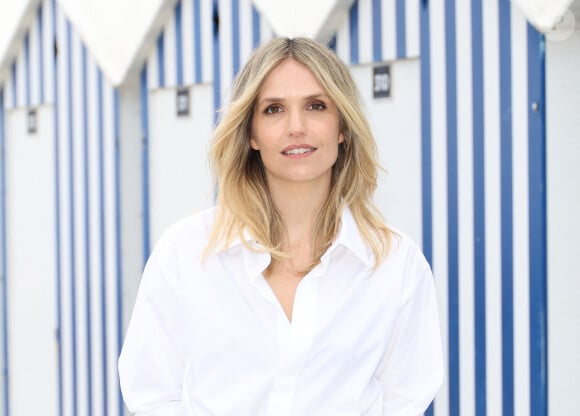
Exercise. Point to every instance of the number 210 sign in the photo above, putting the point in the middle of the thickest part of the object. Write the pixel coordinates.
(381, 81)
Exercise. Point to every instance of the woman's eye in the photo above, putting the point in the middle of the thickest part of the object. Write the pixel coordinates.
(317, 106)
(272, 109)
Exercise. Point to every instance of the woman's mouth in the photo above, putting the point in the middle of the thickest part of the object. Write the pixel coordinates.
(298, 150)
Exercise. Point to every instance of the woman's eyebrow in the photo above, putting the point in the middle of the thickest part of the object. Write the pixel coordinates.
(267, 100)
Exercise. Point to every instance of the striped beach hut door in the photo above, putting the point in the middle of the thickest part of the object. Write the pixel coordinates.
(484, 202)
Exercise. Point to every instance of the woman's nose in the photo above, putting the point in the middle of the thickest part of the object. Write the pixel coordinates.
(296, 123)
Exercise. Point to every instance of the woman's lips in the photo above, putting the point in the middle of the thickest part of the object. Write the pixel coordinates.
(298, 150)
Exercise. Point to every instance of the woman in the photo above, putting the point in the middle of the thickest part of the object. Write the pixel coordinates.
(292, 296)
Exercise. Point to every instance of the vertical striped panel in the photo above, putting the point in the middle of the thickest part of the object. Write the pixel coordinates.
(86, 135)
(236, 41)
(484, 150)
(194, 55)
(379, 30)
(27, 85)
(184, 49)
(203, 41)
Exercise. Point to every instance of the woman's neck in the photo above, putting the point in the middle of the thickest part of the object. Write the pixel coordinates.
(299, 204)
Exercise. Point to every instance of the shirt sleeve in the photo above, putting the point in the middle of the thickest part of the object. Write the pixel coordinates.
(411, 370)
(151, 363)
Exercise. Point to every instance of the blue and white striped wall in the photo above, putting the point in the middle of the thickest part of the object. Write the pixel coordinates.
(379, 30)
(484, 213)
(55, 72)
(205, 40)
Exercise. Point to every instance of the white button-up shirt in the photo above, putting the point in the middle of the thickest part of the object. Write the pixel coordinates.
(210, 338)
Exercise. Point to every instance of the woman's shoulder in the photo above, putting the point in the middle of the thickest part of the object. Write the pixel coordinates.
(191, 231)
(403, 248)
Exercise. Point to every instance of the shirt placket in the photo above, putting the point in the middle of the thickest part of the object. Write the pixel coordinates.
(295, 340)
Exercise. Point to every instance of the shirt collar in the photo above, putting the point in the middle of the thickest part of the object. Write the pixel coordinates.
(349, 237)
(254, 262)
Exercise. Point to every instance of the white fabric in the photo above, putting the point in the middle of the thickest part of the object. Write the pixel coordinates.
(212, 339)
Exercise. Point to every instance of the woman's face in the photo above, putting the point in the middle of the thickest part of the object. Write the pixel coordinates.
(295, 127)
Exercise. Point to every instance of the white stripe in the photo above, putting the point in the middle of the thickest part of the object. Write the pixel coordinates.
(20, 79)
(152, 71)
(48, 46)
(169, 48)
(188, 47)
(520, 213)
(412, 28)
(110, 246)
(226, 61)
(439, 181)
(206, 12)
(465, 208)
(246, 31)
(64, 215)
(389, 30)
(365, 31)
(94, 238)
(266, 31)
(79, 223)
(343, 40)
(34, 64)
(493, 241)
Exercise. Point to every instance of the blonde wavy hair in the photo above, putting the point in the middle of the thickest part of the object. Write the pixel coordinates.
(243, 195)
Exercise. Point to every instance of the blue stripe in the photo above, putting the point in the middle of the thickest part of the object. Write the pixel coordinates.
(14, 82)
(537, 224)
(353, 32)
(71, 178)
(119, 280)
(56, 133)
(507, 275)
(216, 59)
(479, 206)
(160, 61)
(426, 172)
(27, 70)
(236, 36)
(178, 45)
(40, 54)
(197, 40)
(401, 29)
(3, 270)
(377, 31)
(102, 247)
(452, 208)
(87, 214)
(256, 36)
(145, 162)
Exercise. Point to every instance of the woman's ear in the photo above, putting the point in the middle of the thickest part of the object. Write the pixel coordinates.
(254, 143)
(341, 137)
